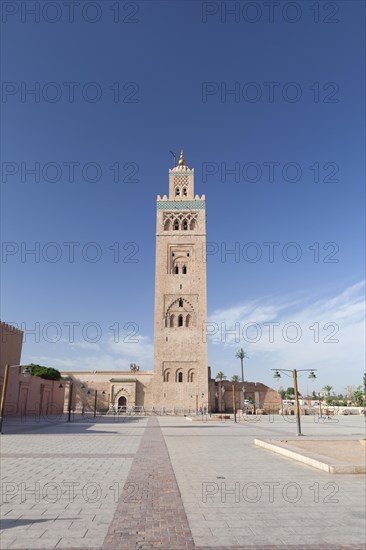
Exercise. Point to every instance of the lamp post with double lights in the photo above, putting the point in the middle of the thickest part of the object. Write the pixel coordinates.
(222, 391)
(234, 401)
(244, 409)
(95, 401)
(294, 372)
(95, 398)
(26, 372)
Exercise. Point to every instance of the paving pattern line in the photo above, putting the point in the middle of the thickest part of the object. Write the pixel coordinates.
(150, 512)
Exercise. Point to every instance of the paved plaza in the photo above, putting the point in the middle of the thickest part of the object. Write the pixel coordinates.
(173, 483)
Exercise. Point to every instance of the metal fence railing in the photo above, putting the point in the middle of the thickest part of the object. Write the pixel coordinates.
(150, 411)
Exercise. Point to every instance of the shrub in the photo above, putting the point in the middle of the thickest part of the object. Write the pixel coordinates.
(48, 373)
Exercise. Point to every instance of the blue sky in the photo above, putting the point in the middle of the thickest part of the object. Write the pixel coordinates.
(275, 97)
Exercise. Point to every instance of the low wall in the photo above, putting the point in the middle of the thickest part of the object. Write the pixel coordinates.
(32, 395)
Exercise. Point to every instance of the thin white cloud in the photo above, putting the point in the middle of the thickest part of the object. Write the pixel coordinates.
(327, 334)
(92, 346)
(103, 355)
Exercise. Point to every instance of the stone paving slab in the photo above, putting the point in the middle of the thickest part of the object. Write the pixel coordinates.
(62, 491)
(333, 456)
(236, 495)
(161, 467)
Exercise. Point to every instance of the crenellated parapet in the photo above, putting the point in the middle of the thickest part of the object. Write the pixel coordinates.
(11, 340)
(10, 328)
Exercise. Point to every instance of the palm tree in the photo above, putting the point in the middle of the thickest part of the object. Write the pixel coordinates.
(241, 354)
(220, 376)
(235, 378)
(328, 389)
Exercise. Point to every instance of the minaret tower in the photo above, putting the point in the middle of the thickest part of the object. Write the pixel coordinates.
(180, 347)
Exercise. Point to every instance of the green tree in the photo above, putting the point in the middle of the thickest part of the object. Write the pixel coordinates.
(339, 400)
(220, 376)
(281, 392)
(235, 378)
(48, 373)
(359, 396)
(241, 354)
(328, 389)
(290, 393)
(349, 392)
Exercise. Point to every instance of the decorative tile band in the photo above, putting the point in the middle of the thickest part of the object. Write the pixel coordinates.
(181, 205)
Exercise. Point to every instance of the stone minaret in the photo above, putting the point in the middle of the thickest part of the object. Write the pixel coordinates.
(180, 349)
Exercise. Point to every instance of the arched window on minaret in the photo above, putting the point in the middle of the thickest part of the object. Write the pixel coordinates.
(177, 191)
(184, 270)
(176, 270)
(171, 321)
(167, 225)
(192, 225)
(180, 303)
(180, 320)
(190, 377)
(185, 225)
(176, 225)
(184, 192)
(188, 320)
(179, 377)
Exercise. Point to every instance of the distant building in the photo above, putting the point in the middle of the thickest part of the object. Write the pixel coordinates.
(125, 389)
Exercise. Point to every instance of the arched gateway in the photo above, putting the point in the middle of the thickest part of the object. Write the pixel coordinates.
(122, 401)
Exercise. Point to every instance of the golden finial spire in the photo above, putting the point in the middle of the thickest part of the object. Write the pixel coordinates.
(181, 162)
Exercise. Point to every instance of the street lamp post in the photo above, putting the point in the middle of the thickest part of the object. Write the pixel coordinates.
(69, 400)
(222, 399)
(320, 405)
(96, 398)
(234, 402)
(69, 403)
(294, 374)
(95, 403)
(26, 372)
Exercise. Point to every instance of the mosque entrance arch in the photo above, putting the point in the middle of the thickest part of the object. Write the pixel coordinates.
(122, 401)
